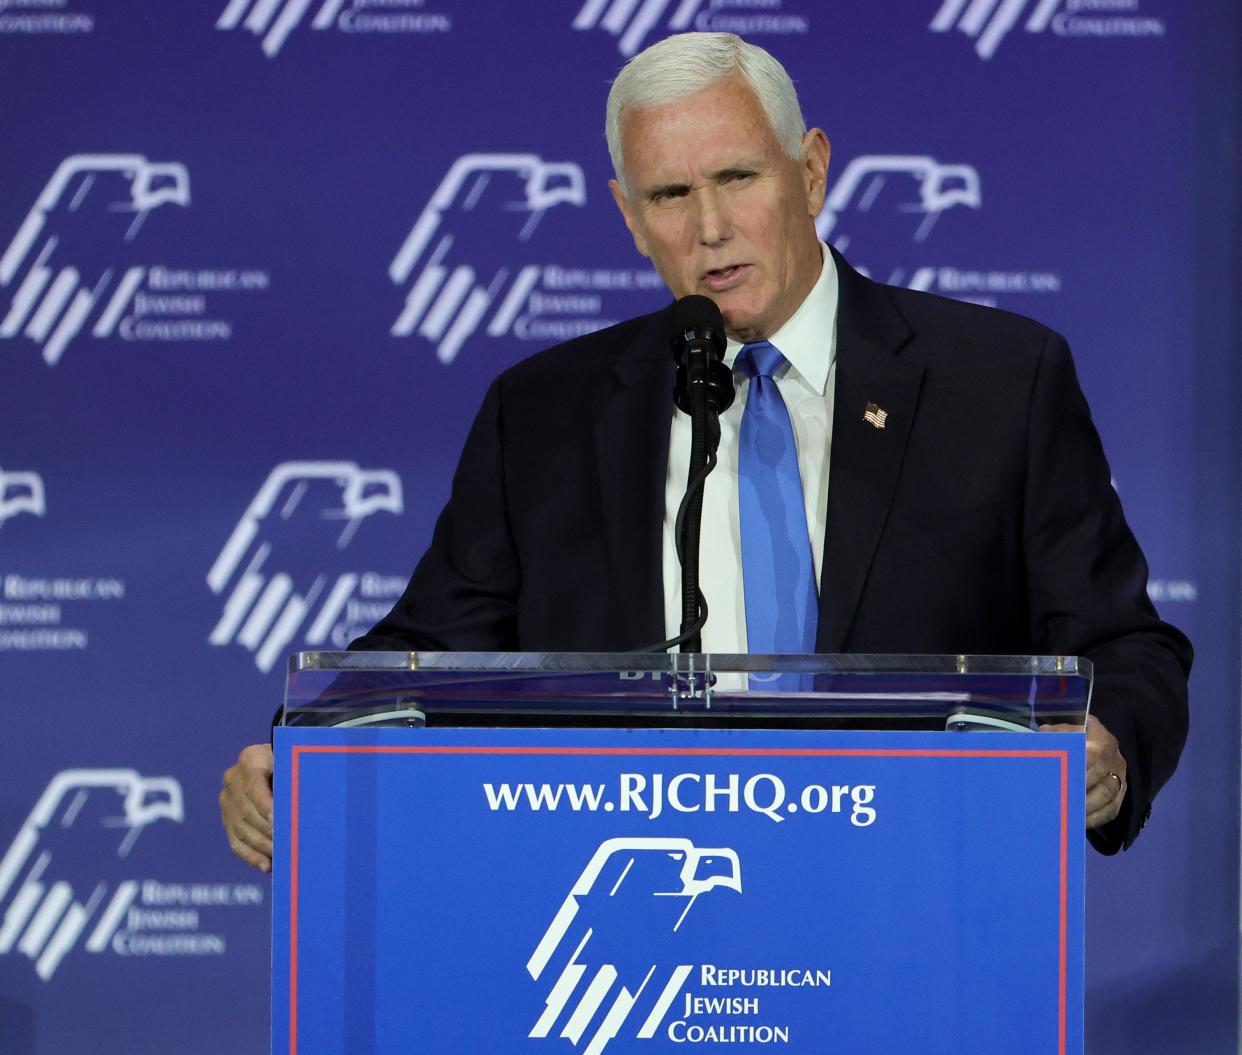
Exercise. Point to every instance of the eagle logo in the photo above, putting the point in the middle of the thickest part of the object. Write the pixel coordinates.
(631, 23)
(303, 515)
(68, 257)
(990, 21)
(613, 943)
(917, 187)
(275, 21)
(83, 814)
(444, 262)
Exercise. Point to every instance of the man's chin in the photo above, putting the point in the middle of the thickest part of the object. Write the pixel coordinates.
(743, 328)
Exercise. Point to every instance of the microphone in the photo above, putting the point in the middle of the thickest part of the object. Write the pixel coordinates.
(698, 348)
(704, 388)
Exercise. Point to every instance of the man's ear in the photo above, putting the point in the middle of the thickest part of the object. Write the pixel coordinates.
(816, 150)
(631, 221)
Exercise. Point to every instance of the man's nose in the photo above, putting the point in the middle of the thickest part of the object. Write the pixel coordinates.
(713, 217)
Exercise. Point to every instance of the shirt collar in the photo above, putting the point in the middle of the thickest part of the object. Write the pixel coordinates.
(808, 340)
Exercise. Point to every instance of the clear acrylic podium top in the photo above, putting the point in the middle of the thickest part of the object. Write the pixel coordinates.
(674, 689)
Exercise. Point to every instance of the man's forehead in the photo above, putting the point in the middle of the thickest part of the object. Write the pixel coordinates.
(719, 129)
(732, 90)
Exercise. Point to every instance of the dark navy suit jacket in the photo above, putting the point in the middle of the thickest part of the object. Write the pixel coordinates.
(980, 519)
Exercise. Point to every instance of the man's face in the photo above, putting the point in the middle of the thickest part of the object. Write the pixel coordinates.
(720, 208)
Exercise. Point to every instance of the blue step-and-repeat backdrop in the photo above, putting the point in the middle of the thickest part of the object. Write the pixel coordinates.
(258, 261)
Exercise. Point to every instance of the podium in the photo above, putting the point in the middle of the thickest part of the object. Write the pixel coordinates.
(566, 853)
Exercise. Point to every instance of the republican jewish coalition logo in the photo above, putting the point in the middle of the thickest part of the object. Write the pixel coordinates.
(85, 824)
(885, 202)
(917, 188)
(21, 492)
(451, 295)
(281, 573)
(988, 22)
(633, 892)
(94, 204)
(883, 209)
(631, 22)
(77, 264)
(273, 20)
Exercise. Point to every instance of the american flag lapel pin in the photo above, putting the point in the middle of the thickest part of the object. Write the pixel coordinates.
(875, 415)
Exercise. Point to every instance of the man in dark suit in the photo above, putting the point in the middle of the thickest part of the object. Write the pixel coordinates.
(957, 497)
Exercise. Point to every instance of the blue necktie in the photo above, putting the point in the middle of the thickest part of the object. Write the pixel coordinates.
(778, 575)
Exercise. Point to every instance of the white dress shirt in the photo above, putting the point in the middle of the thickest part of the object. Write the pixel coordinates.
(809, 342)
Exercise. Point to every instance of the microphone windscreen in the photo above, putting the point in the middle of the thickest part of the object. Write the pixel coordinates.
(698, 348)
(697, 313)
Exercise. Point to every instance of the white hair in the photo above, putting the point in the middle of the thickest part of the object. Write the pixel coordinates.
(682, 65)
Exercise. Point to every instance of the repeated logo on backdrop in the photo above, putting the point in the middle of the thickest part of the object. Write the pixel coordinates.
(76, 877)
(919, 187)
(91, 201)
(989, 22)
(272, 21)
(897, 201)
(637, 24)
(77, 261)
(473, 264)
(283, 571)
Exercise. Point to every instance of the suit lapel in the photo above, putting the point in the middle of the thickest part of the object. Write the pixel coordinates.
(866, 459)
(631, 440)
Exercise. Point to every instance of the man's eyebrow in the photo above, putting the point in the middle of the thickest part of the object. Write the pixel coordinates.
(680, 187)
(664, 189)
(737, 168)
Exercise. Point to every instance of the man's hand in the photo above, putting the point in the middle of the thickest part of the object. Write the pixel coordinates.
(246, 806)
(1106, 771)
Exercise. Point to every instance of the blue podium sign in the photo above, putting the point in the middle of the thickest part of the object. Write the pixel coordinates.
(557, 891)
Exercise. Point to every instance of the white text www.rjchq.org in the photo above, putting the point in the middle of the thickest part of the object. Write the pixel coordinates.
(651, 793)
